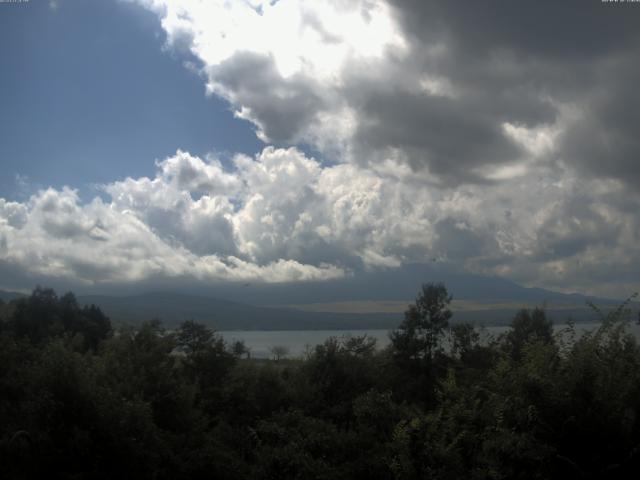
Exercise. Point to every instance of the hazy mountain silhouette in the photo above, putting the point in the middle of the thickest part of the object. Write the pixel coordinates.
(255, 306)
(173, 308)
(397, 284)
(7, 296)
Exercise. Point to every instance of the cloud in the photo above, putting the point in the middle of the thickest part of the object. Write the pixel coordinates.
(424, 83)
(493, 137)
(282, 65)
(186, 172)
(55, 235)
(283, 217)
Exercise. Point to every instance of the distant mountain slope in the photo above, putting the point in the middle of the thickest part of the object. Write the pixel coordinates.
(397, 284)
(313, 305)
(7, 296)
(173, 308)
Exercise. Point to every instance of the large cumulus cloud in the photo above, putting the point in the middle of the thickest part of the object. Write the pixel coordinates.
(496, 137)
(434, 85)
(282, 216)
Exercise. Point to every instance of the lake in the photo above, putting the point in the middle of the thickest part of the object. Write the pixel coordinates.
(298, 341)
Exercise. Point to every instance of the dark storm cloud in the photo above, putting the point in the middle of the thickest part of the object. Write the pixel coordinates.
(519, 62)
(575, 226)
(434, 131)
(546, 28)
(605, 141)
(281, 107)
(455, 239)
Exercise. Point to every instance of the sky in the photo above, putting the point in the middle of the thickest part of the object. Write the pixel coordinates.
(193, 142)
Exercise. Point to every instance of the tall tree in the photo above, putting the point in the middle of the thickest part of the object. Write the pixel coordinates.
(420, 334)
(528, 327)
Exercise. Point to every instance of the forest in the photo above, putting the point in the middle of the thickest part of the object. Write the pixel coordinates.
(82, 399)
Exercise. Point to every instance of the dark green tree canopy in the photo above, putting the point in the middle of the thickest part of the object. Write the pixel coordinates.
(43, 315)
(193, 338)
(425, 322)
(153, 403)
(528, 327)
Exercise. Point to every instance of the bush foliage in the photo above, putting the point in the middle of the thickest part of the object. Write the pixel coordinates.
(79, 400)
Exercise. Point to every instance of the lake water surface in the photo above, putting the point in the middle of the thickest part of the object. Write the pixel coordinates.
(298, 341)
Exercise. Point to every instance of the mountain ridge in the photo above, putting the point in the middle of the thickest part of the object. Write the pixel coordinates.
(311, 306)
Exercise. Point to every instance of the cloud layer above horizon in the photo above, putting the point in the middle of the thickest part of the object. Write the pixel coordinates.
(497, 139)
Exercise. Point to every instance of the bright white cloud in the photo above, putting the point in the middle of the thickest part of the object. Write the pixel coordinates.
(282, 216)
(312, 38)
(286, 65)
(116, 242)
